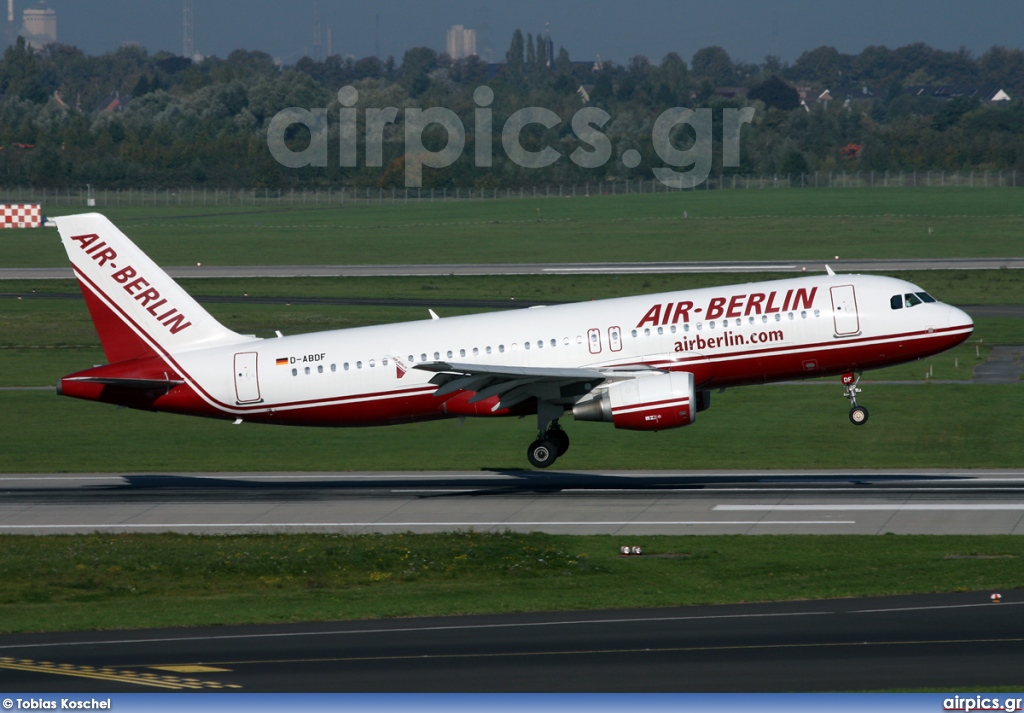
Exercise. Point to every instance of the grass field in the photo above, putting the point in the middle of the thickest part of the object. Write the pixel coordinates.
(926, 426)
(111, 581)
(122, 581)
(697, 225)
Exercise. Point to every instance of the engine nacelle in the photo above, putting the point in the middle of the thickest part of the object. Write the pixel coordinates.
(646, 403)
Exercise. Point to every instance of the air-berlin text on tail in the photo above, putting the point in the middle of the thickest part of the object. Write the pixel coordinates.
(133, 283)
(741, 305)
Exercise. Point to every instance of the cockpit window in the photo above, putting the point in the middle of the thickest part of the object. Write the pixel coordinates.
(911, 299)
(925, 297)
(896, 301)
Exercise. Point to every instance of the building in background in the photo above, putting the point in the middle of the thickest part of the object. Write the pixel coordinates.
(39, 27)
(461, 42)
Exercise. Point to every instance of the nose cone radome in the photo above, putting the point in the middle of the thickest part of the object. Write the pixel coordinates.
(959, 318)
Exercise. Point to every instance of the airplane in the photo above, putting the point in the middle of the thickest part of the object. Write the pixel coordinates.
(643, 363)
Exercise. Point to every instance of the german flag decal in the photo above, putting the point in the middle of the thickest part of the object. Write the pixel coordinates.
(282, 361)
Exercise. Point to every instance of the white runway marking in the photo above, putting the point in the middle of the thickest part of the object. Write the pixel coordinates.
(501, 523)
(868, 507)
(407, 629)
(670, 268)
(456, 627)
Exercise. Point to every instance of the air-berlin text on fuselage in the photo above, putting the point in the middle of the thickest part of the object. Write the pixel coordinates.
(134, 284)
(730, 307)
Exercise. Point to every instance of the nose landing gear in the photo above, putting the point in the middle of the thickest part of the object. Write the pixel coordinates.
(858, 414)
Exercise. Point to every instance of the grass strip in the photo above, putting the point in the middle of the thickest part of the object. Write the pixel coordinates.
(81, 582)
(713, 225)
(781, 426)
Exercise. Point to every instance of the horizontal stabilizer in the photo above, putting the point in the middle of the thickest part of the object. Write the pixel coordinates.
(129, 383)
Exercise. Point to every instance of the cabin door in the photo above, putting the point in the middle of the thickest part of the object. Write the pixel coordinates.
(844, 310)
(247, 383)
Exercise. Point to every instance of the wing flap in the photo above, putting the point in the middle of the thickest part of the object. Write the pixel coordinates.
(512, 384)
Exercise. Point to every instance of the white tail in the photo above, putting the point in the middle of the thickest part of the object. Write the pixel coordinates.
(137, 308)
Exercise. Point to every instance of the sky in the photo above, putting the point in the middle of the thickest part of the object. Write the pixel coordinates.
(616, 30)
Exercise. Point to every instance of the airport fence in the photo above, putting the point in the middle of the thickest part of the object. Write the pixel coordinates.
(360, 196)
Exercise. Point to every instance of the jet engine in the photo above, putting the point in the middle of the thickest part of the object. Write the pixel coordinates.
(644, 403)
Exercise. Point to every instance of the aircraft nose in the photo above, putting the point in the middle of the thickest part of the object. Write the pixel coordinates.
(959, 318)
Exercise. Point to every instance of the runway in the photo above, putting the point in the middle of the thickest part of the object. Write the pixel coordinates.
(567, 502)
(619, 268)
(945, 642)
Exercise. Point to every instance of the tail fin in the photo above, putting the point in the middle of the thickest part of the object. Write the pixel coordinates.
(138, 310)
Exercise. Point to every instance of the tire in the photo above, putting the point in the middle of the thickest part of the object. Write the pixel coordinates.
(858, 415)
(560, 438)
(542, 453)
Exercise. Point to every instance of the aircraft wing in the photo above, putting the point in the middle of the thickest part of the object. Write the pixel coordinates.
(514, 384)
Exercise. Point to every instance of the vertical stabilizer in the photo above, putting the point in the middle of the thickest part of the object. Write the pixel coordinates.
(137, 308)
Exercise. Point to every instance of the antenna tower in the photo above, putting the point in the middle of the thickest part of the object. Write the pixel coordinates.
(317, 56)
(188, 49)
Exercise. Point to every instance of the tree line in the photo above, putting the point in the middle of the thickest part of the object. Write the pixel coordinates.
(129, 118)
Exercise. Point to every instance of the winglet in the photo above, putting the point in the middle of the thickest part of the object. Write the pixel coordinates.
(828, 269)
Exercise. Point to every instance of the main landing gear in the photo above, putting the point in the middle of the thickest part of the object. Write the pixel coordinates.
(550, 444)
(552, 441)
(858, 414)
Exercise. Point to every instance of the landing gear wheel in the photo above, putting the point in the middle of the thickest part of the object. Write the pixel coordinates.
(560, 438)
(858, 415)
(542, 453)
